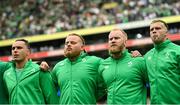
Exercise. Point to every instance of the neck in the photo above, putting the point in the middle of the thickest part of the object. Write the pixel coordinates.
(72, 58)
(118, 55)
(157, 43)
(21, 64)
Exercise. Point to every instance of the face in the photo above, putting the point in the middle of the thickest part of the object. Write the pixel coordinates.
(116, 42)
(73, 46)
(158, 32)
(20, 52)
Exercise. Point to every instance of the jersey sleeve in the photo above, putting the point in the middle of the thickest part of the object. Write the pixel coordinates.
(101, 87)
(48, 88)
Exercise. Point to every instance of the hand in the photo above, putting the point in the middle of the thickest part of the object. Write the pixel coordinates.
(44, 66)
(136, 53)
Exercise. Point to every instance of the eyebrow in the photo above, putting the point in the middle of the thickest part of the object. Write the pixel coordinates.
(18, 47)
(157, 27)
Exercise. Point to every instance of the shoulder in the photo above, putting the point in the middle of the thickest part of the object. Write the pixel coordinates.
(5, 64)
(33, 65)
(174, 46)
(93, 59)
(8, 71)
(8, 66)
(139, 60)
(60, 64)
(2, 65)
(173, 50)
(149, 52)
(106, 61)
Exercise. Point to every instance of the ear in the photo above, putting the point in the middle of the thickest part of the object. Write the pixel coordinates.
(82, 47)
(125, 42)
(166, 31)
(28, 52)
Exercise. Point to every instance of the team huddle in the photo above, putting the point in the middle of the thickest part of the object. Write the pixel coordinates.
(84, 79)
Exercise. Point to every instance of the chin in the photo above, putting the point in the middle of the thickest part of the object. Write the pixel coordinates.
(15, 59)
(69, 55)
(114, 51)
(157, 41)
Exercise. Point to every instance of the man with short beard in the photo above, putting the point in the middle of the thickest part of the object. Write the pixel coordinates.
(77, 75)
(124, 76)
(163, 65)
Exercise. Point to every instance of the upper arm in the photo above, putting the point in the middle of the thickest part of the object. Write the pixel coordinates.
(48, 88)
(101, 86)
(178, 58)
(53, 75)
(143, 69)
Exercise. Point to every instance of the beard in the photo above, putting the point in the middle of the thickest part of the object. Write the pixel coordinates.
(116, 49)
(158, 39)
(70, 54)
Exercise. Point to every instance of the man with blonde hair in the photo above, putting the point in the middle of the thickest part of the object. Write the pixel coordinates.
(163, 65)
(124, 76)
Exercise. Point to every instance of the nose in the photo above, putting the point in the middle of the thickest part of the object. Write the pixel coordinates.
(68, 44)
(153, 30)
(113, 40)
(14, 50)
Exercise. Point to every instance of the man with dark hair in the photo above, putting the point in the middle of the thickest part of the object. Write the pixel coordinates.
(124, 76)
(25, 42)
(3, 67)
(26, 84)
(163, 65)
(77, 75)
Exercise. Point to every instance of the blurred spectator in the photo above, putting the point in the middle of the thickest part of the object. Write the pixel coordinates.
(32, 17)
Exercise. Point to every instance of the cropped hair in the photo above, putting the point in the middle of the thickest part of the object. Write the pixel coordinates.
(124, 33)
(25, 41)
(155, 21)
(82, 39)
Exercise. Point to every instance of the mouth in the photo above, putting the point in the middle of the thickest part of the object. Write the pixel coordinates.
(15, 55)
(155, 36)
(69, 49)
(113, 45)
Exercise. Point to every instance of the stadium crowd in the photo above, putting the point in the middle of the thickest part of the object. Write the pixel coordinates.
(32, 17)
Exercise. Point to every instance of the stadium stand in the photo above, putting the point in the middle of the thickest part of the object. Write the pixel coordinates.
(36, 17)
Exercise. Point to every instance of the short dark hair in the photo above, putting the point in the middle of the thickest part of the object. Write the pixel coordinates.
(25, 41)
(165, 24)
(82, 39)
